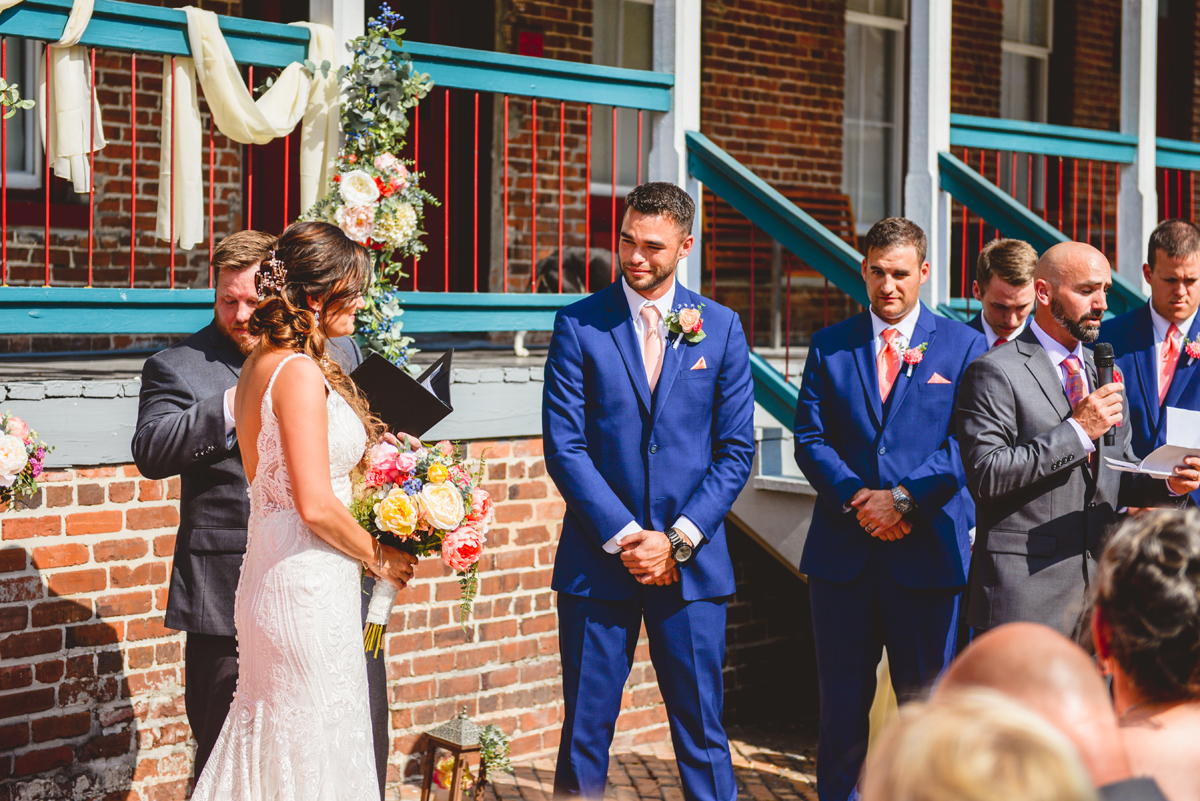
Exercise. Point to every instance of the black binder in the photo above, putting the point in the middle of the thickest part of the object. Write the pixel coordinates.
(403, 403)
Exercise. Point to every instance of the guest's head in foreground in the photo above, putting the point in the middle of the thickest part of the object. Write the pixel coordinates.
(1172, 270)
(895, 267)
(656, 233)
(1045, 672)
(1004, 284)
(235, 263)
(1070, 286)
(973, 745)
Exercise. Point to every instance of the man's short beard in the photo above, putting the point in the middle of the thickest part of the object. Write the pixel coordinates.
(1076, 328)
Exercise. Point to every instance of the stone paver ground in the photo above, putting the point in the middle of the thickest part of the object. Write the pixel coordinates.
(770, 764)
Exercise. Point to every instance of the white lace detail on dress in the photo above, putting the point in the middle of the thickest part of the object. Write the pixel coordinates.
(299, 728)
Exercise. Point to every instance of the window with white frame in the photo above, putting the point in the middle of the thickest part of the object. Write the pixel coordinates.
(873, 123)
(24, 145)
(1025, 57)
(623, 36)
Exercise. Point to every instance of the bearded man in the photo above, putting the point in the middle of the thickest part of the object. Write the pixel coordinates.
(1031, 421)
(185, 427)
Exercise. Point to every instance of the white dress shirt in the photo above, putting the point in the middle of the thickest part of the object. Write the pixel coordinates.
(230, 423)
(1058, 354)
(992, 336)
(636, 302)
(905, 327)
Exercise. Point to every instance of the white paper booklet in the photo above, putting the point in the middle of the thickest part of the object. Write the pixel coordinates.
(1183, 439)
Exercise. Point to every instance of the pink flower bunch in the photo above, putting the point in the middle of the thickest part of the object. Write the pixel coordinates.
(1192, 349)
(22, 458)
(395, 174)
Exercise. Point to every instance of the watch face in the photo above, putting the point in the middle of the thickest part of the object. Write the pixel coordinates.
(683, 553)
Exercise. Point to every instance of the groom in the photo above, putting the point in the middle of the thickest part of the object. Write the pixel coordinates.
(649, 436)
(185, 428)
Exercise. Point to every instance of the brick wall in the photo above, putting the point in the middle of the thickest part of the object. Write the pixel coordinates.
(1085, 67)
(975, 57)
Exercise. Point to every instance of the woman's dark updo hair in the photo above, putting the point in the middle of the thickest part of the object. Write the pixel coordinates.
(1148, 592)
(324, 264)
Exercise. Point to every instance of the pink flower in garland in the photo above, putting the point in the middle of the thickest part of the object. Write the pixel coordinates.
(1192, 349)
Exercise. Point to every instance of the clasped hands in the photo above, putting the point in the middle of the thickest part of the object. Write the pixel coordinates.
(877, 514)
(647, 556)
(394, 565)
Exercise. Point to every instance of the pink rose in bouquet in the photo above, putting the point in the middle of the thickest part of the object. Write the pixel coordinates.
(444, 448)
(459, 477)
(400, 180)
(461, 547)
(386, 161)
(480, 514)
(13, 458)
(356, 222)
(406, 462)
(17, 427)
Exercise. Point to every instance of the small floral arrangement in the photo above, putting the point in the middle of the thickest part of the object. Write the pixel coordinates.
(1192, 349)
(423, 500)
(687, 322)
(22, 455)
(913, 355)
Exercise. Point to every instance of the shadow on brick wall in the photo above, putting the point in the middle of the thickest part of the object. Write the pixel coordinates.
(68, 729)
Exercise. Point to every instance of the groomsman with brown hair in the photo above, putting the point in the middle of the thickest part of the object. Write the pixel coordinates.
(1004, 288)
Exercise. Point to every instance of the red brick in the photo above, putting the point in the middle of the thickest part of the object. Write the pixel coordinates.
(117, 550)
(173, 486)
(49, 672)
(58, 613)
(96, 472)
(140, 658)
(103, 522)
(25, 588)
(120, 491)
(90, 494)
(94, 634)
(131, 471)
(513, 513)
(109, 662)
(13, 618)
(76, 582)
(13, 736)
(81, 666)
(125, 576)
(60, 728)
(151, 681)
(130, 603)
(42, 761)
(164, 545)
(14, 677)
(12, 560)
(26, 703)
(60, 496)
(107, 745)
(16, 646)
(150, 491)
(142, 519)
(147, 629)
(66, 554)
(21, 528)
(88, 691)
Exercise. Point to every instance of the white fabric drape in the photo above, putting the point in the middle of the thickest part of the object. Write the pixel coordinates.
(294, 97)
(75, 124)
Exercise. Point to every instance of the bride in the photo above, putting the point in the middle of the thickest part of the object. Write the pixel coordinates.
(299, 728)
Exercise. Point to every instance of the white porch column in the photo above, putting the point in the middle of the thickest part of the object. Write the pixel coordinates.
(928, 134)
(347, 18)
(677, 50)
(1137, 204)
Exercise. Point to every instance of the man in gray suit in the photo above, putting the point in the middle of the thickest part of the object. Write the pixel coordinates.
(1031, 421)
(185, 427)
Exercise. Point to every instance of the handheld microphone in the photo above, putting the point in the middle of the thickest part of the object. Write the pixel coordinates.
(1102, 352)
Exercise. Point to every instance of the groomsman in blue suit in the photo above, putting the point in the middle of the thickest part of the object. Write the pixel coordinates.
(1004, 288)
(648, 418)
(887, 550)
(1150, 342)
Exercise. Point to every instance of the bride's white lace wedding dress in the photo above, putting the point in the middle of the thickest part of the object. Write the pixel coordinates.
(299, 728)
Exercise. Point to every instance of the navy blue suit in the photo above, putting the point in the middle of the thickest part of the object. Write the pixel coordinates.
(1132, 338)
(618, 452)
(867, 593)
(976, 322)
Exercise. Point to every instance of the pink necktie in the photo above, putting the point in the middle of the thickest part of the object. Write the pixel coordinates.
(652, 347)
(1076, 389)
(888, 363)
(1166, 365)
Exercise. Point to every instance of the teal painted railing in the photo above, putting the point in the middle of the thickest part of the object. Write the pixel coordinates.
(1174, 154)
(772, 392)
(988, 133)
(782, 220)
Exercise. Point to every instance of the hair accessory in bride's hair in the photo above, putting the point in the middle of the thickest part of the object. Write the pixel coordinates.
(271, 277)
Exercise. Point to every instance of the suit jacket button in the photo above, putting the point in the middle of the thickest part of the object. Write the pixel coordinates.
(654, 449)
(882, 451)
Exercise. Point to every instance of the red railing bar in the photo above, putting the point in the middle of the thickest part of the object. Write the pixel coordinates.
(1104, 207)
(250, 168)
(965, 291)
(173, 130)
(639, 149)
(3, 172)
(1045, 187)
(446, 190)
(587, 209)
(1191, 195)
(133, 166)
(91, 171)
(983, 173)
(505, 225)
(752, 255)
(1075, 199)
(475, 198)
(46, 178)
(1089, 203)
(533, 205)
(1179, 193)
(1012, 175)
(562, 159)
(1060, 193)
(998, 186)
(287, 163)
(614, 195)
(212, 198)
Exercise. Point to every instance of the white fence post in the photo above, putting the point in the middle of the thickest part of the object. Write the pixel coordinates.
(1137, 204)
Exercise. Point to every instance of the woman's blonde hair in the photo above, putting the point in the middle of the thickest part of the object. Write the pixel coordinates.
(974, 745)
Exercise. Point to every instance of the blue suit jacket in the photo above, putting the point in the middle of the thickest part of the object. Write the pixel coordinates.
(845, 441)
(976, 322)
(616, 452)
(1132, 338)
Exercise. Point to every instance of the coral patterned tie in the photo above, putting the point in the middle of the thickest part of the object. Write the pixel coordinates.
(888, 363)
(1076, 389)
(652, 346)
(1167, 362)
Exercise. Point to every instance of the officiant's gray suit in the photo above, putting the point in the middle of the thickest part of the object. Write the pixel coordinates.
(1042, 511)
(181, 431)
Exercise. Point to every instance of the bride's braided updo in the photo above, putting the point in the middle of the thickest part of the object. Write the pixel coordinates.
(312, 260)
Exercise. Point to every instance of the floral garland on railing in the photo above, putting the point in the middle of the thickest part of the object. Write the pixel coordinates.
(374, 197)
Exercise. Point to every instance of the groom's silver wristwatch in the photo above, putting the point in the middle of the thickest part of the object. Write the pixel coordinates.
(901, 501)
(681, 552)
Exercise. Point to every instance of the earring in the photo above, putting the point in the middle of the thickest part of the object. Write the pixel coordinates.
(317, 316)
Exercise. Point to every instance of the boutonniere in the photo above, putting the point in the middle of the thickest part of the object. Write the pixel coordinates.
(687, 323)
(1192, 349)
(913, 355)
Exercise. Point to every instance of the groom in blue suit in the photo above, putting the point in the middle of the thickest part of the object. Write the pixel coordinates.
(1157, 373)
(648, 418)
(887, 550)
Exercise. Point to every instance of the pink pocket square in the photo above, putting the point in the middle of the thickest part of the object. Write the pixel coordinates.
(937, 379)
(700, 365)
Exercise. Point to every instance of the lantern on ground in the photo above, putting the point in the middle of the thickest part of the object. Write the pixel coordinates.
(459, 737)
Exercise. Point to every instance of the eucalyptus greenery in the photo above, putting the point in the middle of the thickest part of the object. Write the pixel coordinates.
(493, 750)
(10, 99)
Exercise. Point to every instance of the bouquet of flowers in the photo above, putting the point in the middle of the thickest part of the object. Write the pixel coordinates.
(21, 458)
(423, 500)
